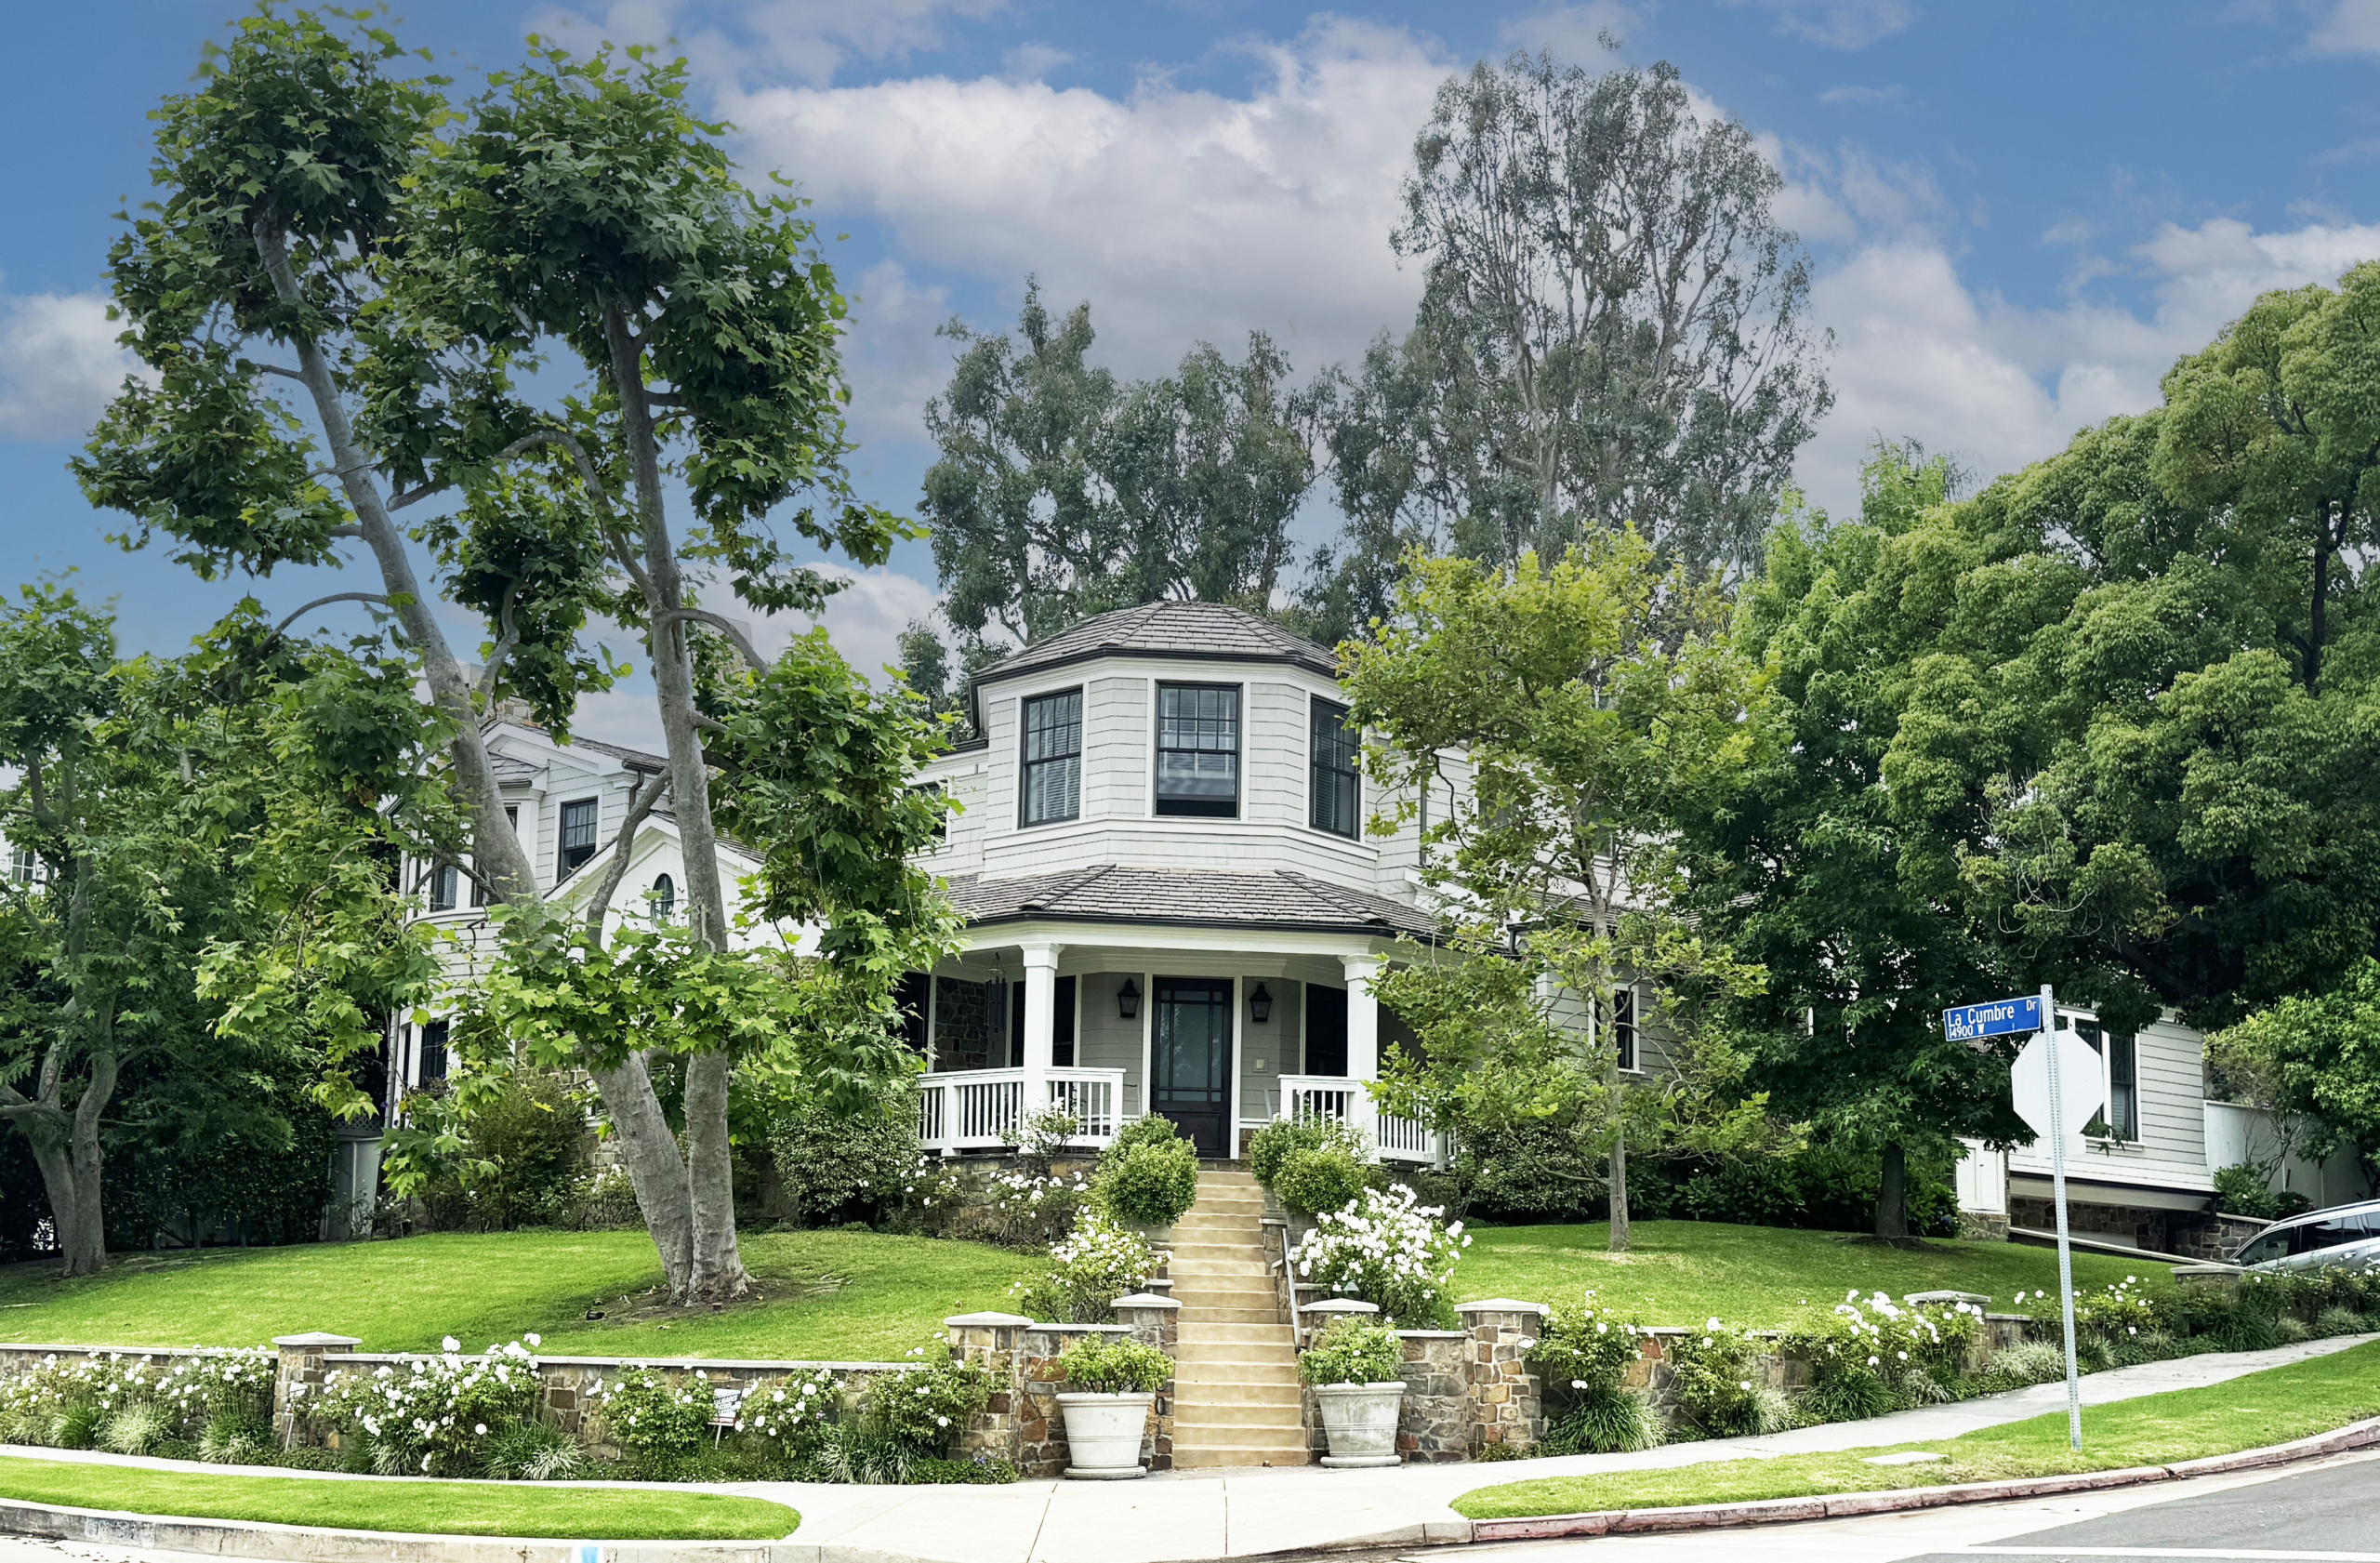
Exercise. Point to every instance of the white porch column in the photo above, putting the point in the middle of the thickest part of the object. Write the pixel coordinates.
(1363, 1039)
(1040, 1023)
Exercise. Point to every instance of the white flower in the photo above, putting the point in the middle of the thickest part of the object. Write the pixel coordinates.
(450, 1344)
(1872, 1362)
(1743, 1383)
(480, 1429)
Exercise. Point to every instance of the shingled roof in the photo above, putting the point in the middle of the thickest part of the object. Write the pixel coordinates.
(1178, 898)
(1208, 632)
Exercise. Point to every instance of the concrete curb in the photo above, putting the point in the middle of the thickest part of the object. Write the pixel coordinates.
(301, 1543)
(1782, 1511)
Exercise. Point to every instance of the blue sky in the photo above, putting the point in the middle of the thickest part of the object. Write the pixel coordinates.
(2019, 213)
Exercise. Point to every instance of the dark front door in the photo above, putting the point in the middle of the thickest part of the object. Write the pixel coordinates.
(1191, 1067)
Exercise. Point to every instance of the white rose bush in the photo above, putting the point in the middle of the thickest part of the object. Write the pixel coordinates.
(1871, 1356)
(433, 1415)
(1583, 1356)
(1388, 1248)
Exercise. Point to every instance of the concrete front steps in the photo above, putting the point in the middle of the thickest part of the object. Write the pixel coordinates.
(1236, 1395)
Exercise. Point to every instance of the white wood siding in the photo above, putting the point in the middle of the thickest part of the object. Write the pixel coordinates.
(2171, 1152)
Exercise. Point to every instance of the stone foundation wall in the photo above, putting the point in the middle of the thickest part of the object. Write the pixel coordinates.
(1024, 1423)
(2193, 1234)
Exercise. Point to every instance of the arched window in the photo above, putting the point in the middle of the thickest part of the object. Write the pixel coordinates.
(665, 899)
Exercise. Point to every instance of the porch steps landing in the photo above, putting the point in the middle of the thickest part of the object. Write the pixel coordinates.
(1236, 1395)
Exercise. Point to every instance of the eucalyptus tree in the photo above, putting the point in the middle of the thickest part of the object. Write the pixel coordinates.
(1541, 707)
(417, 258)
(1612, 330)
(1062, 491)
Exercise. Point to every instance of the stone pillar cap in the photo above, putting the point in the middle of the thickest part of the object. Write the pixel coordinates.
(1945, 1296)
(1503, 1306)
(1340, 1305)
(966, 1322)
(316, 1338)
(1146, 1300)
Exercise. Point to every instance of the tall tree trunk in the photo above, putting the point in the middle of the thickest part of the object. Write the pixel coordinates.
(1619, 1194)
(718, 1267)
(1892, 1194)
(496, 853)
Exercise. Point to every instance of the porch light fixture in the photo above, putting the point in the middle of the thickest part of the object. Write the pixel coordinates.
(1260, 1005)
(1128, 1000)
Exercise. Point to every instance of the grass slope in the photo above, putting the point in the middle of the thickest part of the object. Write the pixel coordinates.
(445, 1508)
(1682, 1272)
(2252, 1411)
(826, 1296)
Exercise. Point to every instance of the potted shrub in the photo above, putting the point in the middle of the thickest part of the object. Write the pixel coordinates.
(1354, 1366)
(1111, 1382)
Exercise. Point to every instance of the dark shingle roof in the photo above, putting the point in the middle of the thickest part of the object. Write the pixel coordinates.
(1170, 630)
(1106, 893)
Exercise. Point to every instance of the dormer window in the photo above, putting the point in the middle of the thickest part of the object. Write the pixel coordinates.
(577, 834)
(1197, 749)
(1053, 782)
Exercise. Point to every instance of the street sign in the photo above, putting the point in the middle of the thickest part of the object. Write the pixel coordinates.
(2082, 1087)
(1970, 1023)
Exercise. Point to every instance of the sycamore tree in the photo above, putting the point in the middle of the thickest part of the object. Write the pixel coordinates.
(1612, 330)
(400, 262)
(1556, 736)
(174, 812)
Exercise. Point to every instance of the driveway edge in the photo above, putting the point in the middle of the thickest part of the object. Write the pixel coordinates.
(1782, 1511)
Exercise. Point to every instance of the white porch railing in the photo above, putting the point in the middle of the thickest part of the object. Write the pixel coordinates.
(1400, 1139)
(983, 1109)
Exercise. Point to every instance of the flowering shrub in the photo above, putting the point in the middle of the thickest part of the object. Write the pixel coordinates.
(212, 1385)
(1878, 1356)
(923, 1404)
(433, 1414)
(1026, 1210)
(653, 1416)
(1721, 1387)
(793, 1415)
(1583, 1356)
(1388, 1248)
(131, 1403)
(1114, 1365)
(1092, 1266)
(1354, 1351)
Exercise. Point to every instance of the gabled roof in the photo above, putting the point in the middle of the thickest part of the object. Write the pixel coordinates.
(1194, 897)
(1204, 632)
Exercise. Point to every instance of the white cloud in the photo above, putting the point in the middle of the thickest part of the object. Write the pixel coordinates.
(1863, 95)
(58, 364)
(1843, 24)
(2001, 386)
(1574, 33)
(2352, 27)
(809, 40)
(1181, 215)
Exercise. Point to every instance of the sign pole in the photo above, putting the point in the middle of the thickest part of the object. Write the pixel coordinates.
(2065, 1254)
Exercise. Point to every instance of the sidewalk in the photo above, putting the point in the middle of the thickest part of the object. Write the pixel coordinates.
(1179, 1516)
(1199, 1514)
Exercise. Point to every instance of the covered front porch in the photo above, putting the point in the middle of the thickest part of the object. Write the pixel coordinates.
(1220, 1031)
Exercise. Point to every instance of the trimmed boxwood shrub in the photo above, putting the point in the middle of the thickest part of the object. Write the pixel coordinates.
(1150, 1182)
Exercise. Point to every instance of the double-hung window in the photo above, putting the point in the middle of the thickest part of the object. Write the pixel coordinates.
(1052, 788)
(1197, 749)
(443, 879)
(1624, 1025)
(1335, 791)
(2120, 1117)
(578, 835)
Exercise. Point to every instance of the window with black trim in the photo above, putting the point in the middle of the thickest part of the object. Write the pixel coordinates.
(577, 834)
(1197, 749)
(1053, 781)
(443, 878)
(2120, 1117)
(433, 1052)
(1624, 1025)
(665, 898)
(479, 885)
(1335, 792)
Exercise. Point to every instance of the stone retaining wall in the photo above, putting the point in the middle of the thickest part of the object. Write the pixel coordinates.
(1023, 1422)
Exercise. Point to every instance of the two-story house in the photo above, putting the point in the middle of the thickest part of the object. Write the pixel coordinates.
(1172, 903)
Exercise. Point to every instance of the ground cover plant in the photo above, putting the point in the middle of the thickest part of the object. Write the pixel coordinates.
(1759, 1278)
(821, 1296)
(2251, 1411)
(445, 1508)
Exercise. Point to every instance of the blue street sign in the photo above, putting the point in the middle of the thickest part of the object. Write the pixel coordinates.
(1971, 1022)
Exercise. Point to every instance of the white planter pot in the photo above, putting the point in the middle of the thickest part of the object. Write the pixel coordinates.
(1104, 1435)
(1361, 1419)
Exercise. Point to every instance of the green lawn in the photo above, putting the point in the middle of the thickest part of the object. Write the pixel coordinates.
(2252, 1411)
(445, 1508)
(826, 1296)
(1683, 1272)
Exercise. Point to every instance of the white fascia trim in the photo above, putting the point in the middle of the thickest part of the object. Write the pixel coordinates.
(1157, 936)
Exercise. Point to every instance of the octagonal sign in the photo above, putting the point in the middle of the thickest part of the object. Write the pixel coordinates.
(2083, 1089)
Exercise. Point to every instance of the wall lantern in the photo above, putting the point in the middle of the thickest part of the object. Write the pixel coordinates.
(1260, 1005)
(1128, 1000)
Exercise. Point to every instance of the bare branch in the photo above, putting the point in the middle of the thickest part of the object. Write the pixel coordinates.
(724, 626)
(344, 532)
(287, 374)
(325, 602)
(598, 904)
(414, 496)
(664, 399)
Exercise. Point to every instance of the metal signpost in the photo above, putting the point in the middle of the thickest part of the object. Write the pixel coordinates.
(2058, 1088)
